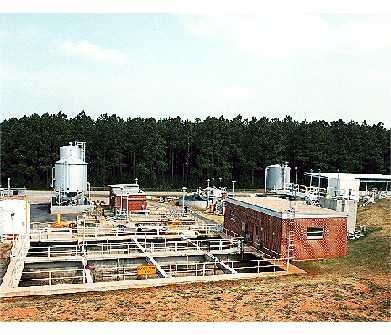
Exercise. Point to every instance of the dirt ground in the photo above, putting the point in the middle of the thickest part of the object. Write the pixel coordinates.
(352, 288)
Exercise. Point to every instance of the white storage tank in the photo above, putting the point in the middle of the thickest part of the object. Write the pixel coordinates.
(71, 169)
(276, 176)
(14, 216)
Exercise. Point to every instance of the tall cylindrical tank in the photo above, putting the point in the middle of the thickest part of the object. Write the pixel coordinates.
(273, 177)
(71, 170)
(277, 176)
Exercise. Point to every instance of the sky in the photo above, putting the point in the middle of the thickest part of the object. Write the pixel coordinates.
(308, 66)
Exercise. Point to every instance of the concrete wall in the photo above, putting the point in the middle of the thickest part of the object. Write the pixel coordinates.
(14, 216)
(348, 207)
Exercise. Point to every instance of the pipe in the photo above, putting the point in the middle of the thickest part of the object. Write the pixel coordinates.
(318, 182)
(267, 168)
(53, 179)
(89, 190)
(311, 179)
(121, 204)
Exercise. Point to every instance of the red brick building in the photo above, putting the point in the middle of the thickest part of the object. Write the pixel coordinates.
(270, 225)
(128, 197)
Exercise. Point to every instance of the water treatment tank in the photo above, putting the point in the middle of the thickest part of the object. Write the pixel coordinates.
(277, 176)
(71, 169)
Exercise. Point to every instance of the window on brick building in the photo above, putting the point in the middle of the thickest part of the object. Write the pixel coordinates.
(315, 233)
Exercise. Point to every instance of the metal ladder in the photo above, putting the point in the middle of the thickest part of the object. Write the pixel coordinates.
(291, 236)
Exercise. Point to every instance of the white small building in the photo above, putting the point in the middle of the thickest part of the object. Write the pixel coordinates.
(123, 189)
(14, 216)
(347, 185)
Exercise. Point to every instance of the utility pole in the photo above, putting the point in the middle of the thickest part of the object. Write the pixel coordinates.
(233, 188)
(187, 160)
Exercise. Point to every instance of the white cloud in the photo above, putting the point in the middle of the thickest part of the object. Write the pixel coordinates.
(289, 34)
(90, 51)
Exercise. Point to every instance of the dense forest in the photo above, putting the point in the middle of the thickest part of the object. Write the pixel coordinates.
(171, 153)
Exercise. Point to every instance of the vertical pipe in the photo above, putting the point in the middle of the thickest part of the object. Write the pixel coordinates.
(121, 205)
(89, 191)
(53, 184)
(311, 180)
(318, 183)
(266, 178)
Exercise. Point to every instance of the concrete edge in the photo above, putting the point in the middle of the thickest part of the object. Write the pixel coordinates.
(129, 284)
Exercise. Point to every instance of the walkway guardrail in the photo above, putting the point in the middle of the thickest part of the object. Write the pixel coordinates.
(126, 248)
(95, 232)
(52, 277)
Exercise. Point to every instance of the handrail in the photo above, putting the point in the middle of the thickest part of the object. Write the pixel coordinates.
(131, 247)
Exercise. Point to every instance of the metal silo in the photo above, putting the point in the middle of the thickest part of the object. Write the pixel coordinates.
(273, 177)
(70, 176)
(276, 176)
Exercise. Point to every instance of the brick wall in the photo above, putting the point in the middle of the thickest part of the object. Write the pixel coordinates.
(333, 244)
(135, 202)
(262, 231)
(270, 234)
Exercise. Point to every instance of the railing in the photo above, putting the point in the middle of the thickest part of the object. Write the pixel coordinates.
(230, 233)
(204, 268)
(192, 268)
(69, 234)
(258, 267)
(177, 269)
(126, 248)
(87, 232)
(84, 250)
(271, 253)
(119, 271)
(313, 190)
(55, 251)
(209, 245)
(50, 278)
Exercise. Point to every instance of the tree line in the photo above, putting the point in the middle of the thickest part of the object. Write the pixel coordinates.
(170, 153)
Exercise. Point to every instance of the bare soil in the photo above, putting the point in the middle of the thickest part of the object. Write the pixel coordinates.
(351, 288)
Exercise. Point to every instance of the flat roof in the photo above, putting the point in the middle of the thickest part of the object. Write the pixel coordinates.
(124, 185)
(275, 205)
(361, 176)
